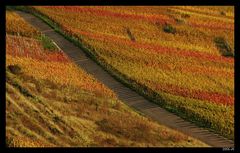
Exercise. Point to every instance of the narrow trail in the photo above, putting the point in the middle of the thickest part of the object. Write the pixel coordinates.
(125, 94)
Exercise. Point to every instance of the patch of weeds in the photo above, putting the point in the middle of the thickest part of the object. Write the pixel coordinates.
(223, 47)
(222, 13)
(97, 106)
(52, 140)
(57, 119)
(9, 141)
(25, 92)
(102, 123)
(49, 84)
(15, 82)
(47, 43)
(130, 35)
(22, 90)
(15, 69)
(168, 28)
(117, 106)
(38, 87)
(110, 141)
(179, 21)
(54, 130)
(178, 137)
(184, 15)
(33, 84)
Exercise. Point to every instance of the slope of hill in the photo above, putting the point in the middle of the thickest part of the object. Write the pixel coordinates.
(51, 102)
(181, 57)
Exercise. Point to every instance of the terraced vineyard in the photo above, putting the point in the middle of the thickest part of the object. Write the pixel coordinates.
(51, 102)
(181, 57)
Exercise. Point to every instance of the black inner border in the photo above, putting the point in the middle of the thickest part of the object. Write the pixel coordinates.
(5, 3)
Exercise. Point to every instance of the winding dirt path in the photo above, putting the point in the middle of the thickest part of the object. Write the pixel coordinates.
(125, 94)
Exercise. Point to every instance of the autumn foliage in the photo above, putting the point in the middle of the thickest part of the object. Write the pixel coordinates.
(186, 64)
(51, 102)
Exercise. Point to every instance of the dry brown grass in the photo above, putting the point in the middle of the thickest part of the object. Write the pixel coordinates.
(75, 121)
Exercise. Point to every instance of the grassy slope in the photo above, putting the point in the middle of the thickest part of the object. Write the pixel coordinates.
(107, 46)
(60, 116)
(44, 108)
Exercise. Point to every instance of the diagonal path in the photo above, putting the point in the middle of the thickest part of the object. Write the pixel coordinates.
(125, 94)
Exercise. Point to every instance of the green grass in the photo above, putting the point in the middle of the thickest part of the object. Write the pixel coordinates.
(47, 43)
(169, 29)
(224, 47)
